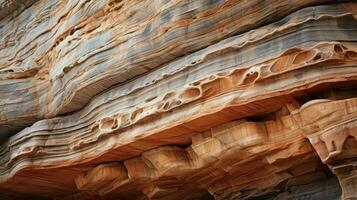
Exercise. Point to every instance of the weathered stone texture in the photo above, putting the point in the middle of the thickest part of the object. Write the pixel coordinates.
(164, 99)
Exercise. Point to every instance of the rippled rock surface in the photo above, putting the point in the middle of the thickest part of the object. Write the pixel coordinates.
(168, 99)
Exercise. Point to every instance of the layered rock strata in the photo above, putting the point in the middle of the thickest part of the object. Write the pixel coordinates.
(62, 53)
(188, 100)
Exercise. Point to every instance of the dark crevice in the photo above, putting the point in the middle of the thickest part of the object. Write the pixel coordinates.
(343, 90)
(14, 8)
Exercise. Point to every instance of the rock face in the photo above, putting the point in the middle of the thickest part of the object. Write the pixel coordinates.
(168, 99)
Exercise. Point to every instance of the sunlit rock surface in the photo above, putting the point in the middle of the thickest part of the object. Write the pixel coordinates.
(160, 99)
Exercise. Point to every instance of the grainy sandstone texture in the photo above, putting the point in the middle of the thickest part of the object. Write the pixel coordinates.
(171, 99)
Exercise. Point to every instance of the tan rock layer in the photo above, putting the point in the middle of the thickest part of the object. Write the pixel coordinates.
(237, 160)
(241, 89)
(39, 144)
(337, 147)
(62, 53)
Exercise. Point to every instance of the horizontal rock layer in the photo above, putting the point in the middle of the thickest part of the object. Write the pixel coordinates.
(189, 100)
(62, 53)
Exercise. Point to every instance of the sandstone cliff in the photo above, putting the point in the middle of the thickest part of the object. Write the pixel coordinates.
(167, 99)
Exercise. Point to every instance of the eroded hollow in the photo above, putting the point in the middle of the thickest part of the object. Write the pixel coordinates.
(108, 123)
(190, 93)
